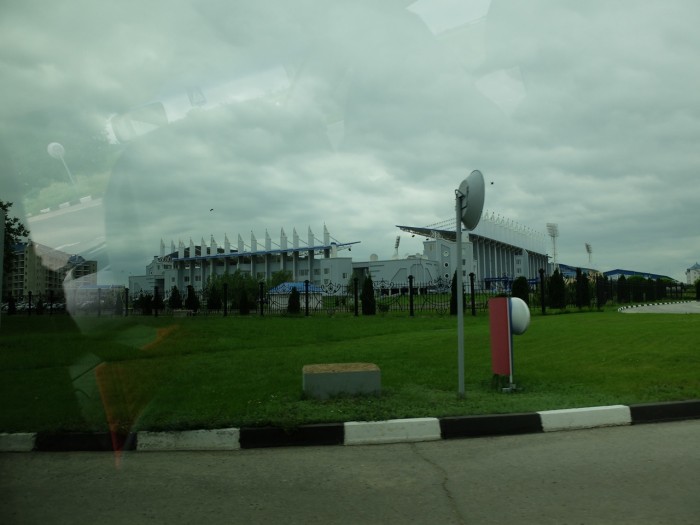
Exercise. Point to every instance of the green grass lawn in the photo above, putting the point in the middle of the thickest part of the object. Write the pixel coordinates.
(212, 372)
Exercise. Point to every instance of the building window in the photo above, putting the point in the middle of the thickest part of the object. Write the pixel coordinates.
(187, 278)
(326, 271)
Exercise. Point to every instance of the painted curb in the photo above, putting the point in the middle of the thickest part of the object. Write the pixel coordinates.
(577, 418)
(306, 435)
(357, 432)
(221, 439)
(623, 308)
(670, 411)
(392, 431)
(18, 442)
(490, 425)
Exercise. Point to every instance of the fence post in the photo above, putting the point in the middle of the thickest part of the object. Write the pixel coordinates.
(306, 297)
(542, 291)
(225, 299)
(357, 295)
(261, 298)
(472, 275)
(410, 295)
(30, 304)
(126, 302)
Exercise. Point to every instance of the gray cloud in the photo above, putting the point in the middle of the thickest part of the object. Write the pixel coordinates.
(584, 114)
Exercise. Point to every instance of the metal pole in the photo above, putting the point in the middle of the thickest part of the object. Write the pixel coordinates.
(356, 295)
(225, 299)
(472, 275)
(306, 297)
(2, 251)
(410, 295)
(460, 298)
(261, 297)
(542, 292)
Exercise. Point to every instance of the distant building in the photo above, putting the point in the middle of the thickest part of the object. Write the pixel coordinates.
(614, 275)
(42, 270)
(314, 260)
(497, 251)
(692, 274)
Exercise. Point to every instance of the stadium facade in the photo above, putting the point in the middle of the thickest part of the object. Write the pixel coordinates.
(497, 252)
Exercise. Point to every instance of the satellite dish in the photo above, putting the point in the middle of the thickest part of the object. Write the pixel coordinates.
(472, 190)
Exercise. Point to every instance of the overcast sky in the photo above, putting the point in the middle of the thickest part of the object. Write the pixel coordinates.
(360, 115)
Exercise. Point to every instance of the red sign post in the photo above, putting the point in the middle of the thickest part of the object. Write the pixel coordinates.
(507, 316)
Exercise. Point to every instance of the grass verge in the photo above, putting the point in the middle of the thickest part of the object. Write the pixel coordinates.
(167, 373)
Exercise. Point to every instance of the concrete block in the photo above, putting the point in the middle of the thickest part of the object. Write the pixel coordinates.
(392, 431)
(324, 380)
(573, 418)
(220, 439)
(17, 442)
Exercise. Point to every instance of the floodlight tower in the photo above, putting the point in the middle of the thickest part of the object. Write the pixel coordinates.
(589, 251)
(553, 230)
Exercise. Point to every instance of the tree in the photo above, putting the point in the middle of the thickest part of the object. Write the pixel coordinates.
(697, 289)
(453, 296)
(145, 303)
(277, 278)
(243, 302)
(294, 302)
(238, 283)
(175, 299)
(191, 301)
(213, 292)
(158, 303)
(601, 287)
(623, 290)
(118, 304)
(521, 289)
(369, 303)
(637, 285)
(15, 232)
(583, 295)
(557, 291)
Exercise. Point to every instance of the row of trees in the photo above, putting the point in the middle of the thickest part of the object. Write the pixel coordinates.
(583, 290)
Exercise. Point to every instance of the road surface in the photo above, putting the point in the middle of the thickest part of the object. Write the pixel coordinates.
(624, 475)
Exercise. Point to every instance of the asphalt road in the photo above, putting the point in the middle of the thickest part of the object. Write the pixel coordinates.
(624, 475)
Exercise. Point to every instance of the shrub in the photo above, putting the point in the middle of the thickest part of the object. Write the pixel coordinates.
(557, 291)
(521, 289)
(192, 301)
(369, 304)
(175, 299)
(294, 302)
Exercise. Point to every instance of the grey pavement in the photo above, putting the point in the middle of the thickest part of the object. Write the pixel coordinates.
(635, 474)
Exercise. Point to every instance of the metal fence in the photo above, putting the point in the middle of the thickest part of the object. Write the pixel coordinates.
(409, 298)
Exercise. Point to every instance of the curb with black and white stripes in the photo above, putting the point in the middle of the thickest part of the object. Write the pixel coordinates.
(357, 432)
(622, 308)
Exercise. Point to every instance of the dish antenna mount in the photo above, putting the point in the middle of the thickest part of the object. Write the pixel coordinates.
(469, 204)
